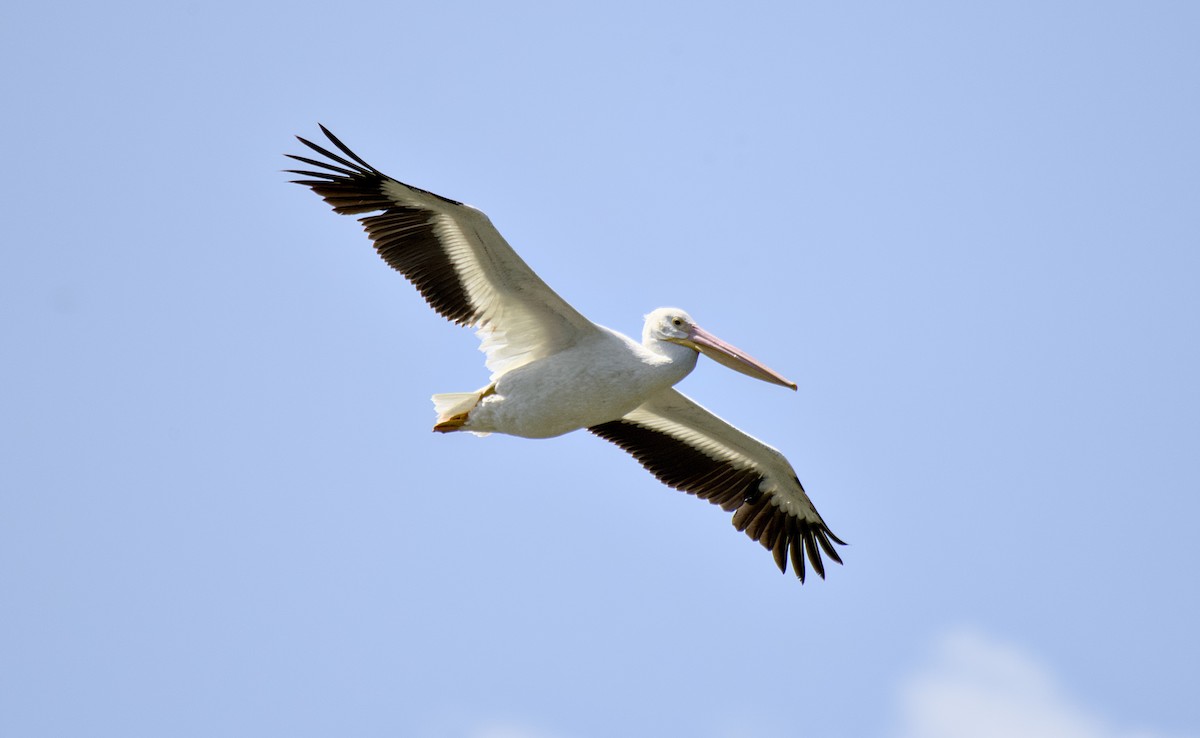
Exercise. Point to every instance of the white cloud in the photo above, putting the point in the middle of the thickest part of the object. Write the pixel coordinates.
(507, 730)
(976, 687)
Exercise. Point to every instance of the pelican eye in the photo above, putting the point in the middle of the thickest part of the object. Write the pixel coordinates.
(677, 322)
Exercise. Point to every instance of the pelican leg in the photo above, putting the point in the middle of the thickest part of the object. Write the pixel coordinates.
(451, 424)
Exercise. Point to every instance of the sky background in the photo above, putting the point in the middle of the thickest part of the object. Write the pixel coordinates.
(969, 231)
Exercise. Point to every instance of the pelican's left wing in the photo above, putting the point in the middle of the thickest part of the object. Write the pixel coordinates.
(454, 256)
(689, 448)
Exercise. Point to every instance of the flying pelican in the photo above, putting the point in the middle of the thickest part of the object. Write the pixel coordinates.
(554, 371)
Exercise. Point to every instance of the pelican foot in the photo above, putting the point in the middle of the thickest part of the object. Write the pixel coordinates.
(451, 424)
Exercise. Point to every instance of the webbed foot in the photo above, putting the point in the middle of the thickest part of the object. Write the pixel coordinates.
(451, 424)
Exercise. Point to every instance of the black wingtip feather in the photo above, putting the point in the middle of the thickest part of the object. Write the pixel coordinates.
(813, 555)
(779, 550)
(365, 169)
(404, 234)
(823, 536)
(323, 165)
(346, 149)
(798, 561)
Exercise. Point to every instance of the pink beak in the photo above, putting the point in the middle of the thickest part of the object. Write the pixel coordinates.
(734, 358)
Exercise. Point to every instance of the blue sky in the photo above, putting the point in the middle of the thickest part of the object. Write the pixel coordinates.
(968, 231)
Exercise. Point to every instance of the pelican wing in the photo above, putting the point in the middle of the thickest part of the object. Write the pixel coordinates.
(454, 256)
(690, 449)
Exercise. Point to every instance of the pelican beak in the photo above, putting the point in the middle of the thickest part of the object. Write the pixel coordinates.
(733, 357)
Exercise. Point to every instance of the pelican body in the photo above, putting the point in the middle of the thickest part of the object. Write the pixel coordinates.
(553, 371)
(601, 378)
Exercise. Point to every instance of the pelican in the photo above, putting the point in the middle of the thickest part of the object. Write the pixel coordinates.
(553, 371)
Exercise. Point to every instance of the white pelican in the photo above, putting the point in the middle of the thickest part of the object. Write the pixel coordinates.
(555, 371)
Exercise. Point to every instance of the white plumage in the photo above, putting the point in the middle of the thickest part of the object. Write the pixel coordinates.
(553, 371)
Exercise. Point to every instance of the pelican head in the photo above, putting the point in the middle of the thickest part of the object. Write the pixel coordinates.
(676, 326)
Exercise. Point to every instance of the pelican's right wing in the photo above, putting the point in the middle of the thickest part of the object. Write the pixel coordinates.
(454, 256)
(690, 449)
